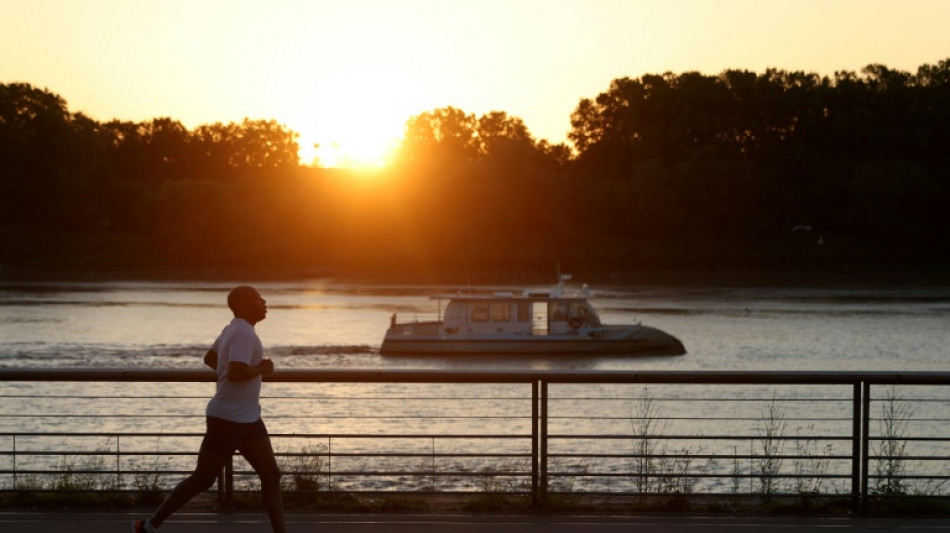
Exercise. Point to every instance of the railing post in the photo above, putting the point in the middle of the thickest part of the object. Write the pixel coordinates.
(229, 483)
(539, 442)
(857, 462)
(544, 443)
(118, 462)
(221, 498)
(329, 463)
(535, 446)
(433, 465)
(226, 486)
(865, 443)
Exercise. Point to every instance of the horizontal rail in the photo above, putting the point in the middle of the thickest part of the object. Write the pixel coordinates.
(835, 442)
(444, 376)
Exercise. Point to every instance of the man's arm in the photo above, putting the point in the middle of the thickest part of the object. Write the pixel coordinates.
(243, 371)
(211, 359)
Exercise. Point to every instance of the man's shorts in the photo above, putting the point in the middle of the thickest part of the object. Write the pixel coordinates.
(224, 437)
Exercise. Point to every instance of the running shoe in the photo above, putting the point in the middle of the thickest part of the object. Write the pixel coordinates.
(142, 526)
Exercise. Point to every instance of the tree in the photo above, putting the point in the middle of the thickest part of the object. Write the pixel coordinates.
(445, 134)
(35, 139)
(264, 144)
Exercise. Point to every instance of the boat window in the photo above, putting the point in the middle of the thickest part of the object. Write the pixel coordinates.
(578, 310)
(479, 311)
(558, 311)
(582, 311)
(501, 312)
(524, 311)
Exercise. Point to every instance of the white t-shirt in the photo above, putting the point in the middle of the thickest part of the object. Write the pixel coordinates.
(237, 401)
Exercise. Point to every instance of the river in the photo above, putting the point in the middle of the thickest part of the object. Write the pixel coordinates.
(319, 324)
(328, 325)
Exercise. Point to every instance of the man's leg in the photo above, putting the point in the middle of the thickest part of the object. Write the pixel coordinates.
(209, 466)
(260, 455)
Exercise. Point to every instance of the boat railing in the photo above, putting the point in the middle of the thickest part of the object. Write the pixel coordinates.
(416, 318)
(858, 436)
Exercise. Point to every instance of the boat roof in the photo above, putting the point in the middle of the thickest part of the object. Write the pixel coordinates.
(529, 295)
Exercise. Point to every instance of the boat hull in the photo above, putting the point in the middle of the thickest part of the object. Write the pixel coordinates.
(641, 340)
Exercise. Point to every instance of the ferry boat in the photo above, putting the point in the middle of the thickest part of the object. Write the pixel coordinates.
(525, 323)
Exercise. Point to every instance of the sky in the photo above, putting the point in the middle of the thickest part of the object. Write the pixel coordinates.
(348, 74)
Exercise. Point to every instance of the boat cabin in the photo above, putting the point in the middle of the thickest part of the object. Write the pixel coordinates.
(517, 315)
(531, 322)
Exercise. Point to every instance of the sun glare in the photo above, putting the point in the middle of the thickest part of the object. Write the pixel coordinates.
(356, 117)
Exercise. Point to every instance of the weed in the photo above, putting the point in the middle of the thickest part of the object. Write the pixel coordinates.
(75, 480)
(676, 473)
(302, 470)
(892, 448)
(567, 483)
(769, 463)
(148, 479)
(657, 470)
(399, 503)
(810, 466)
(646, 423)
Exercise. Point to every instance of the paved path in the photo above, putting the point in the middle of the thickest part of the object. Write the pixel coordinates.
(98, 522)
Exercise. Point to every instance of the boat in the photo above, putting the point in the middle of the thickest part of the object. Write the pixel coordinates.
(541, 323)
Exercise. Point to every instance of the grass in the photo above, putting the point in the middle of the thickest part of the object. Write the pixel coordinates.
(769, 462)
(664, 480)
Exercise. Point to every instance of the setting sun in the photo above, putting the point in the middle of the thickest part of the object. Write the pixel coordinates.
(348, 75)
(356, 116)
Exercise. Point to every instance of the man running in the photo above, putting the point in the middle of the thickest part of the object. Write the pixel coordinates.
(233, 415)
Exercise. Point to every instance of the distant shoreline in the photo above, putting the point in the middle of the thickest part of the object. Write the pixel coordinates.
(897, 277)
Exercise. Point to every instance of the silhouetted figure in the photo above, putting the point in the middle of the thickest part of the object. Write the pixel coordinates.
(233, 415)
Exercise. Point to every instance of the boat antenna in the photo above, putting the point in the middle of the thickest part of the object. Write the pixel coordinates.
(561, 278)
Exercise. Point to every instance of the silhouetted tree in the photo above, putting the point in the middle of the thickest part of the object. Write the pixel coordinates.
(775, 169)
(35, 153)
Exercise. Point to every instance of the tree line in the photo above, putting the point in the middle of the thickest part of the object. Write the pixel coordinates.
(740, 170)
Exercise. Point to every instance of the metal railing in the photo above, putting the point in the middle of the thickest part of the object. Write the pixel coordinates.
(854, 435)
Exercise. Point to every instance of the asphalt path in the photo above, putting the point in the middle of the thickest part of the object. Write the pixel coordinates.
(99, 522)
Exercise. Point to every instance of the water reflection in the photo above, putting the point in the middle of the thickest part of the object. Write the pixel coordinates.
(320, 324)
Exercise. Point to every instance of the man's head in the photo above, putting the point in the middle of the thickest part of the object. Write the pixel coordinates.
(245, 302)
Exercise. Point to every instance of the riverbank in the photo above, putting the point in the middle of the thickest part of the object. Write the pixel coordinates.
(89, 522)
(929, 276)
(497, 503)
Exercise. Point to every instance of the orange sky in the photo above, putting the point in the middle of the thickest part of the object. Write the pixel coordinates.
(347, 75)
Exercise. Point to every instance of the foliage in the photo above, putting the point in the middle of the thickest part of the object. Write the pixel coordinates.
(737, 170)
(811, 463)
(302, 470)
(769, 462)
(658, 470)
(891, 463)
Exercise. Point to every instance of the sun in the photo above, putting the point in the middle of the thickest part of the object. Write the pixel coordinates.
(356, 116)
